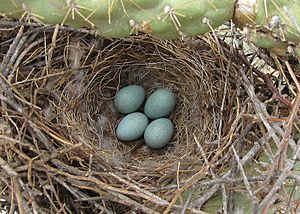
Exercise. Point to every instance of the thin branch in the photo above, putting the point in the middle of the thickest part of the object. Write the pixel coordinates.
(188, 201)
(285, 140)
(259, 107)
(7, 168)
(244, 176)
(46, 27)
(226, 180)
(277, 186)
(277, 95)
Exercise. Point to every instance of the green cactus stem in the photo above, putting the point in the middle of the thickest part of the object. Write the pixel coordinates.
(273, 24)
(280, 17)
(119, 18)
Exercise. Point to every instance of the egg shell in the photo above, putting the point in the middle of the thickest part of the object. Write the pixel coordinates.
(132, 126)
(129, 98)
(159, 133)
(160, 104)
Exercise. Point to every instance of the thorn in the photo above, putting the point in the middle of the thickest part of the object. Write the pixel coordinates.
(167, 9)
(275, 22)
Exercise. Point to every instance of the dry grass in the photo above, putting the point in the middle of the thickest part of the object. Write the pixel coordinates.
(59, 153)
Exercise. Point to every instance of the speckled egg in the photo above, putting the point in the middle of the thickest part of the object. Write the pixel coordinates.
(129, 98)
(160, 104)
(159, 133)
(132, 126)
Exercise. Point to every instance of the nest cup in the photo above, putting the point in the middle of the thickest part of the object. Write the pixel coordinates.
(77, 113)
(153, 65)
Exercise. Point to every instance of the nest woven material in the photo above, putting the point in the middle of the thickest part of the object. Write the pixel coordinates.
(89, 117)
(58, 144)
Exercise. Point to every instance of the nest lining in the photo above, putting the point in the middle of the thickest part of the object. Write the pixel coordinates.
(187, 73)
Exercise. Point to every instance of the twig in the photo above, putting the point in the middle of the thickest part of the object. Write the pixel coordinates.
(24, 52)
(206, 196)
(244, 176)
(284, 142)
(188, 201)
(226, 180)
(131, 203)
(276, 94)
(53, 46)
(277, 186)
(11, 50)
(61, 152)
(289, 165)
(234, 168)
(56, 195)
(46, 27)
(295, 176)
(79, 195)
(52, 204)
(267, 80)
(247, 157)
(243, 161)
(23, 208)
(224, 194)
(7, 168)
(289, 202)
(11, 102)
(90, 172)
(204, 156)
(224, 199)
(147, 195)
(259, 107)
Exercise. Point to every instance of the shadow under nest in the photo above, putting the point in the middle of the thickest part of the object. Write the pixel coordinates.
(70, 158)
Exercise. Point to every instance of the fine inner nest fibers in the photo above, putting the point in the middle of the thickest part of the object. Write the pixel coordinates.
(193, 75)
(198, 90)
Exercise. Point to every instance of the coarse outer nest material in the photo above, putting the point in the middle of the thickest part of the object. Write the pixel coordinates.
(59, 134)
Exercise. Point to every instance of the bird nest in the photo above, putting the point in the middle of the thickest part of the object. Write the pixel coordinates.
(59, 151)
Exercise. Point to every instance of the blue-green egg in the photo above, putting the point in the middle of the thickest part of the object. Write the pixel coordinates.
(160, 104)
(129, 98)
(159, 133)
(132, 126)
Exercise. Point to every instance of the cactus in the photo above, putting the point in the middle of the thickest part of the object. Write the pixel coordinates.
(273, 24)
(279, 17)
(119, 18)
